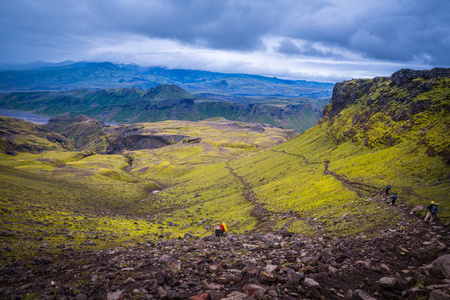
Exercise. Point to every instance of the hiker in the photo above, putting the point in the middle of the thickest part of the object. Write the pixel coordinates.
(394, 198)
(432, 211)
(388, 187)
(222, 229)
(218, 230)
(327, 161)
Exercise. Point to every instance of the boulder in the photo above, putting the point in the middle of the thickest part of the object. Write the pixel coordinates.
(204, 296)
(293, 280)
(361, 295)
(442, 266)
(417, 208)
(388, 283)
(165, 258)
(114, 295)
(236, 296)
(439, 295)
(254, 290)
(267, 277)
(311, 283)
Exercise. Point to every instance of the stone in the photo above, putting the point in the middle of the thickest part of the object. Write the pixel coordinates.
(161, 277)
(216, 295)
(310, 261)
(442, 266)
(293, 279)
(267, 277)
(165, 258)
(204, 296)
(114, 295)
(348, 294)
(81, 297)
(311, 283)
(129, 280)
(236, 296)
(416, 209)
(270, 268)
(223, 280)
(361, 295)
(417, 292)
(439, 295)
(363, 263)
(213, 286)
(383, 266)
(254, 290)
(388, 283)
(213, 268)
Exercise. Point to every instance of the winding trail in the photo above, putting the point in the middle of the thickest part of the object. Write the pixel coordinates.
(262, 214)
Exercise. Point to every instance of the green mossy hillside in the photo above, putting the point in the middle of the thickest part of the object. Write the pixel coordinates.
(18, 136)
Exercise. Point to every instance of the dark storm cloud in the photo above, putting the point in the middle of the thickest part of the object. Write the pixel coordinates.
(389, 30)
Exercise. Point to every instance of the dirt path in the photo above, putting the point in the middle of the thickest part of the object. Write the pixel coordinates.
(259, 212)
(262, 214)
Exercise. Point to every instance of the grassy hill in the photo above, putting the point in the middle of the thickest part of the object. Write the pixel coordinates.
(391, 130)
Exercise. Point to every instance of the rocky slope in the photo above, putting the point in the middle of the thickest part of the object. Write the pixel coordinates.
(398, 264)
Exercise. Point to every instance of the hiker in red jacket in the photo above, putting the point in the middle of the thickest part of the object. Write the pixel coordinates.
(222, 229)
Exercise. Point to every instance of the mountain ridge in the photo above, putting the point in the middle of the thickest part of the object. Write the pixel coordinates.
(79, 75)
(166, 102)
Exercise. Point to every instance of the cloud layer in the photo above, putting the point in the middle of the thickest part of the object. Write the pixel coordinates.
(328, 39)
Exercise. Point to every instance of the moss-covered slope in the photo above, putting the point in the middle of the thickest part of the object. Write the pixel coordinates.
(374, 132)
(22, 136)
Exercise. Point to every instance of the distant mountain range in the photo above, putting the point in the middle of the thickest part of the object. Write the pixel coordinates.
(163, 102)
(70, 75)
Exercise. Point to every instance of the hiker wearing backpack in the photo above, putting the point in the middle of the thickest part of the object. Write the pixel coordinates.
(218, 230)
(394, 198)
(387, 188)
(222, 229)
(432, 211)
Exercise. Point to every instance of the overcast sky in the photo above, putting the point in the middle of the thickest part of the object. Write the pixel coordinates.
(325, 40)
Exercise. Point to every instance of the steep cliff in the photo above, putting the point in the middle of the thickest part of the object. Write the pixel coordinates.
(409, 105)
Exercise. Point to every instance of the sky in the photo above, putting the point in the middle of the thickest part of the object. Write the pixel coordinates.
(322, 40)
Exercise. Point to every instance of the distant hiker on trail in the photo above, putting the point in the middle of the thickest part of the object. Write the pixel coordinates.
(432, 211)
(388, 187)
(327, 161)
(222, 230)
(394, 198)
(218, 231)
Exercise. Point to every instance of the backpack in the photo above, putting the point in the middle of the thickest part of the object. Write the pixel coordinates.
(218, 227)
(435, 209)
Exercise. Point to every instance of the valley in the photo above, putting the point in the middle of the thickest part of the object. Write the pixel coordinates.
(132, 207)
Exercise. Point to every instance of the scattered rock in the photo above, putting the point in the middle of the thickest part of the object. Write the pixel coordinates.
(388, 283)
(361, 295)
